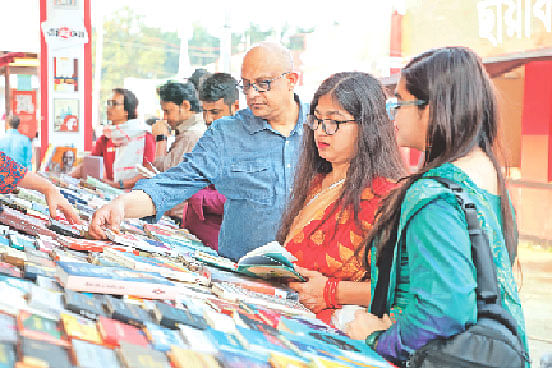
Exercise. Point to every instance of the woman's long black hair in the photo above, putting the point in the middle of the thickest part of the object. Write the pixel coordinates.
(462, 116)
(377, 154)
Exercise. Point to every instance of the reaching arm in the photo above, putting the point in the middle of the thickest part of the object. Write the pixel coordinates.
(128, 205)
(54, 199)
(153, 197)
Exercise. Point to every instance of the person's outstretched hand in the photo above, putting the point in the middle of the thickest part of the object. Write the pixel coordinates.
(109, 216)
(56, 202)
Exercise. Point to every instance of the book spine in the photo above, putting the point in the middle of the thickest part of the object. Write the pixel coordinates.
(120, 287)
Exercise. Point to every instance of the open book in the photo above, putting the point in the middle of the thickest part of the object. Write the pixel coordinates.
(271, 261)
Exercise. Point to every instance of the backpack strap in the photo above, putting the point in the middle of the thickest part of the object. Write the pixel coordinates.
(488, 296)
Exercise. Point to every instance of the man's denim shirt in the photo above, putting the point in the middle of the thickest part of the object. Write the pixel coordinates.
(250, 163)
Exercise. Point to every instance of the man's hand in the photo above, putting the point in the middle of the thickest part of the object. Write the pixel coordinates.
(365, 324)
(311, 292)
(56, 202)
(109, 216)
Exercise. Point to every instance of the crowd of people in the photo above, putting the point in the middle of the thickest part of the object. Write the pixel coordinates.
(326, 180)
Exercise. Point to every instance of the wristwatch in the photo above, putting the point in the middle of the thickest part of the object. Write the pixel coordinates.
(121, 184)
(160, 137)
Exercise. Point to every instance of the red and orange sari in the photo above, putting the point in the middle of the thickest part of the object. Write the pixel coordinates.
(335, 251)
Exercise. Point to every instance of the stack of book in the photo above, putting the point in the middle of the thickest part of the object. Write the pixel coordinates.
(151, 296)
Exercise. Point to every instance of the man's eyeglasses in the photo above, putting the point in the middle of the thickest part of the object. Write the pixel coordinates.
(393, 104)
(329, 126)
(111, 103)
(260, 85)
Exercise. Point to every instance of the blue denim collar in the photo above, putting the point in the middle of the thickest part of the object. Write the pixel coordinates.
(255, 124)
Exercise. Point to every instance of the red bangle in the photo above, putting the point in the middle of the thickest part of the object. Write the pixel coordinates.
(330, 293)
(327, 293)
(334, 294)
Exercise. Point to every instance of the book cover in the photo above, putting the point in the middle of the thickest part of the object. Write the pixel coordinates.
(162, 338)
(125, 312)
(45, 300)
(40, 353)
(184, 358)
(80, 328)
(259, 341)
(243, 358)
(7, 355)
(40, 328)
(279, 360)
(114, 332)
(8, 329)
(87, 305)
(116, 281)
(197, 340)
(171, 317)
(89, 355)
(135, 356)
(225, 341)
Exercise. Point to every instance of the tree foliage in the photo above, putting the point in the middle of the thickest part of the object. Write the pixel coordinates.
(132, 49)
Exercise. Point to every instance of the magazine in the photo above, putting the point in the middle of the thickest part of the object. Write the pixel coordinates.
(271, 261)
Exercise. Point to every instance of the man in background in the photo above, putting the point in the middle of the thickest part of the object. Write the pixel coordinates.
(16, 145)
(182, 112)
(219, 96)
(124, 130)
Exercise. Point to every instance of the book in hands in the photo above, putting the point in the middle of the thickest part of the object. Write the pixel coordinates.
(271, 261)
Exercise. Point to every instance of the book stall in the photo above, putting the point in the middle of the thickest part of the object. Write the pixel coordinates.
(150, 296)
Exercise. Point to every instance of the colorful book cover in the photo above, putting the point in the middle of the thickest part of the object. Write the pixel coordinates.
(125, 312)
(224, 341)
(117, 281)
(259, 341)
(279, 360)
(78, 303)
(7, 355)
(135, 356)
(114, 332)
(46, 300)
(80, 328)
(36, 353)
(162, 338)
(239, 359)
(8, 329)
(219, 321)
(183, 358)
(197, 340)
(40, 328)
(171, 317)
(89, 355)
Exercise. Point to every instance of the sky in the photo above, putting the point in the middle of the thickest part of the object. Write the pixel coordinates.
(171, 15)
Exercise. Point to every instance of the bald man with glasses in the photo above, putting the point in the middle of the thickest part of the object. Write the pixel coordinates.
(250, 158)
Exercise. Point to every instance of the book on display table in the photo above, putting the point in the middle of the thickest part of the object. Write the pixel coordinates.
(149, 296)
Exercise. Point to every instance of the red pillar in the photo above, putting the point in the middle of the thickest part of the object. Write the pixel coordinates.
(536, 124)
(44, 139)
(88, 79)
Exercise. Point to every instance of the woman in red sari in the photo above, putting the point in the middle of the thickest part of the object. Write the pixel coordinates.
(349, 162)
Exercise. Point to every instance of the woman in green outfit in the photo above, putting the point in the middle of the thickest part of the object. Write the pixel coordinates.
(445, 106)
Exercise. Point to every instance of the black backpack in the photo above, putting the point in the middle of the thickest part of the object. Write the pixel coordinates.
(494, 340)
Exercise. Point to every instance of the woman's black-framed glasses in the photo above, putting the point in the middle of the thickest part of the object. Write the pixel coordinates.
(329, 126)
(260, 85)
(393, 104)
